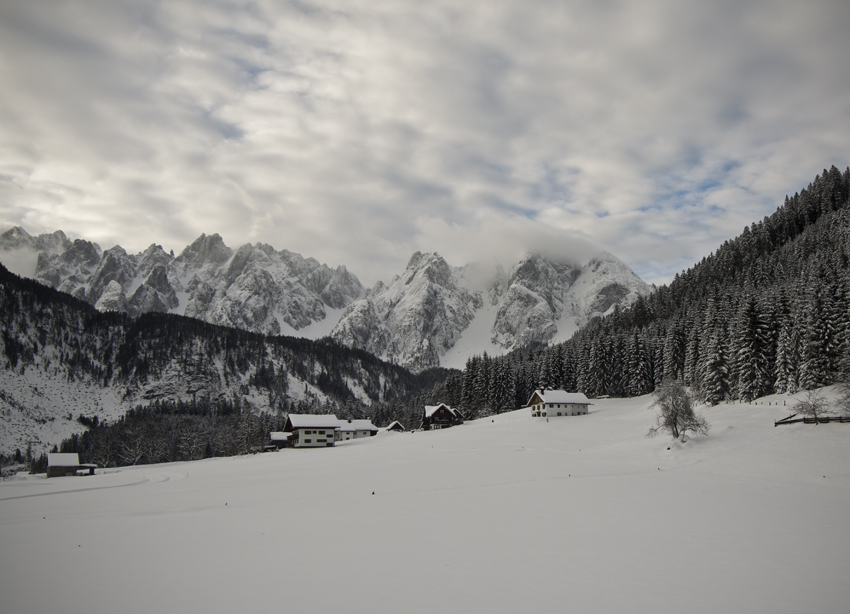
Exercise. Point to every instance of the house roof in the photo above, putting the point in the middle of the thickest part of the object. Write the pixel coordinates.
(279, 436)
(357, 425)
(63, 459)
(560, 396)
(395, 424)
(311, 421)
(430, 410)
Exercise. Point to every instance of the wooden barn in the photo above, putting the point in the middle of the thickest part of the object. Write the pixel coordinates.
(396, 427)
(64, 463)
(548, 403)
(440, 417)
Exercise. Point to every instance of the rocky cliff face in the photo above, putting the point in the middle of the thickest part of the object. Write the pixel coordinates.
(255, 287)
(414, 320)
(418, 317)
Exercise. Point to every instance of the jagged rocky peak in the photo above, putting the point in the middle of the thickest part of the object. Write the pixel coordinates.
(206, 249)
(430, 265)
(416, 318)
(112, 298)
(17, 238)
(413, 320)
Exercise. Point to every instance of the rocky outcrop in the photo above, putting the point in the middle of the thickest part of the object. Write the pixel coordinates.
(413, 320)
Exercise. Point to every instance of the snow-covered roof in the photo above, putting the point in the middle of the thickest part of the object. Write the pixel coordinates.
(311, 421)
(63, 459)
(279, 436)
(430, 410)
(560, 396)
(357, 425)
(394, 425)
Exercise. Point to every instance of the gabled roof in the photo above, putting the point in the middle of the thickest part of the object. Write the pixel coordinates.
(63, 459)
(357, 425)
(560, 396)
(395, 425)
(311, 421)
(430, 410)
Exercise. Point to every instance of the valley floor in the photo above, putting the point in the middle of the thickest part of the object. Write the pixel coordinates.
(512, 514)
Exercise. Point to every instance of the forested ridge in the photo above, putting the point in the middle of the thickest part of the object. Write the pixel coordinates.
(189, 389)
(766, 312)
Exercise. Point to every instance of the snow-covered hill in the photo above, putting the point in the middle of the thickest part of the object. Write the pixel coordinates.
(505, 514)
(436, 314)
(415, 320)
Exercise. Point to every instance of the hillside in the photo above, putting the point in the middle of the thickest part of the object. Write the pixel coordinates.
(766, 312)
(420, 319)
(62, 359)
(503, 514)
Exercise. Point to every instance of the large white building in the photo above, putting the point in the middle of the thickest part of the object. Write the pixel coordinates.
(320, 431)
(311, 431)
(547, 403)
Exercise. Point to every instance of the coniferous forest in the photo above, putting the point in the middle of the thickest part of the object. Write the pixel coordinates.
(191, 389)
(767, 312)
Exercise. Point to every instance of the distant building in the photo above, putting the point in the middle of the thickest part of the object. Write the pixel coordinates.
(64, 463)
(548, 403)
(311, 431)
(355, 429)
(396, 426)
(440, 417)
(280, 439)
(319, 431)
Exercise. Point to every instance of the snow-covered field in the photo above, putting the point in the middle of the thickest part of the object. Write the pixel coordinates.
(578, 514)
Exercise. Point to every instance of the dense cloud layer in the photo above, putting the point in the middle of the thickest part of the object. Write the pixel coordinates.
(358, 132)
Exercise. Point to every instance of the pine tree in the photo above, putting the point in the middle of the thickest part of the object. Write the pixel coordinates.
(751, 360)
(714, 375)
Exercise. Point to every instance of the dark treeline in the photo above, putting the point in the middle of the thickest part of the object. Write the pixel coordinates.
(226, 386)
(767, 312)
(166, 431)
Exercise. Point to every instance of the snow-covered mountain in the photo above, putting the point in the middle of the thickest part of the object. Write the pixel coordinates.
(432, 314)
(255, 287)
(436, 314)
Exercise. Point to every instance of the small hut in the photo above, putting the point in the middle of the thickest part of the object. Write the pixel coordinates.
(64, 463)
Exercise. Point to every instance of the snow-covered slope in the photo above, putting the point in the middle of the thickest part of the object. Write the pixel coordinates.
(254, 287)
(506, 514)
(422, 318)
(416, 318)
(436, 314)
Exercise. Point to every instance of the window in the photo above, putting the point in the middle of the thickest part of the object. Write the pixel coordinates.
(559, 413)
(308, 441)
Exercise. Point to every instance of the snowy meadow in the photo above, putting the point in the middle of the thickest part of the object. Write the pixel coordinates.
(503, 514)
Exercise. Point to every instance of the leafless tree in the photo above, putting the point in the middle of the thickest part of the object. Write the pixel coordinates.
(813, 405)
(676, 412)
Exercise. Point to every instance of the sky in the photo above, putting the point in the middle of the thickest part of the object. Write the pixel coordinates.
(358, 132)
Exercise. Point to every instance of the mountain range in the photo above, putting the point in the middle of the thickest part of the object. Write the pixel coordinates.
(432, 314)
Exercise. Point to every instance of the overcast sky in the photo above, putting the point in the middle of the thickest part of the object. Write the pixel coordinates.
(357, 132)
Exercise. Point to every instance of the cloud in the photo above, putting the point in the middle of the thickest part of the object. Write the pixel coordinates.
(357, 133)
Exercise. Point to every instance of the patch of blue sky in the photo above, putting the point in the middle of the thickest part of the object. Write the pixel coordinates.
(509, 207)
(227, 130)
(552, 188)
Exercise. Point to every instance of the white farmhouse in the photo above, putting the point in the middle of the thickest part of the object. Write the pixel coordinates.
(311, 431)
(355, 429)
(546, 403)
